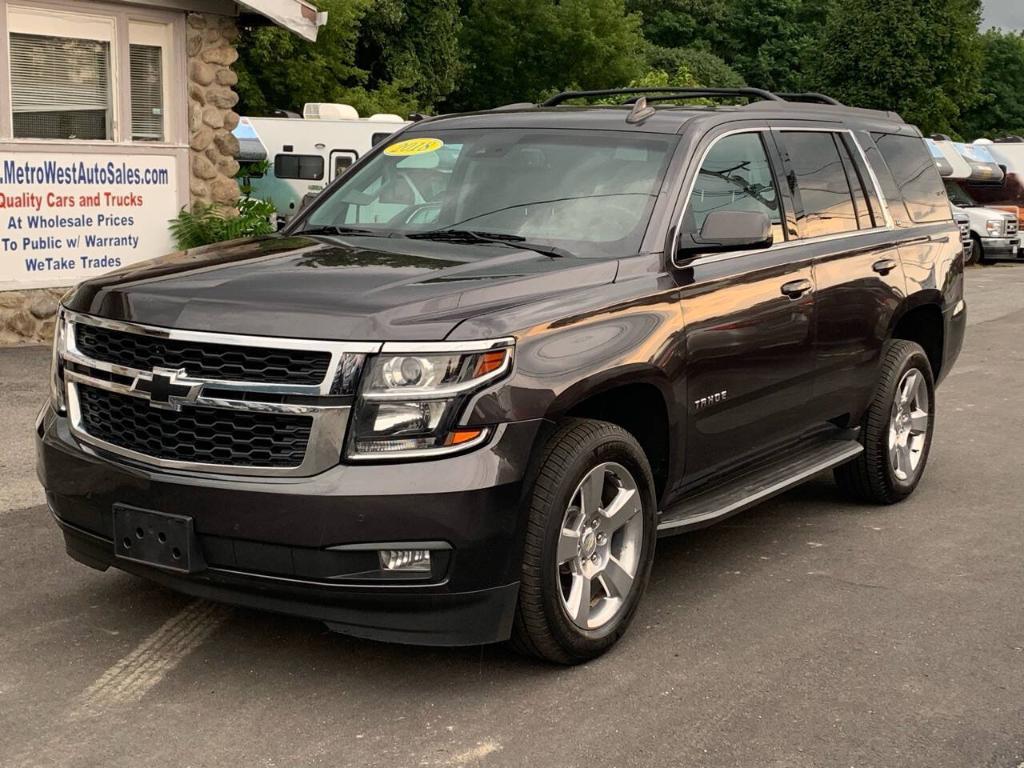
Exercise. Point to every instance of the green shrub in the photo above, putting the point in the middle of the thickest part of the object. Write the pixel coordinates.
(206, 224)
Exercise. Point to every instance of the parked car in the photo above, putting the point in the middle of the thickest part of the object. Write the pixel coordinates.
(467, 418)
(304, 154)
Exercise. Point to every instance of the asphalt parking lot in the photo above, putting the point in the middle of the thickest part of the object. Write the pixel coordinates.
(807, 632)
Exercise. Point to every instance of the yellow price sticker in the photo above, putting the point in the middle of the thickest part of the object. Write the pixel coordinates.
(413, 147)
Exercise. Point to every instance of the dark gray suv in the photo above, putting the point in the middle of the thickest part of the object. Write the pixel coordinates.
(457, 400)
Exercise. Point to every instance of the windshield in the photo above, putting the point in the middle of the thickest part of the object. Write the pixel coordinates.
(957, 196)
(589, 192)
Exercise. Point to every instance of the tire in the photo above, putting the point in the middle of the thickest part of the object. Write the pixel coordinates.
(550, 591)
(880, 475)
(978, 252)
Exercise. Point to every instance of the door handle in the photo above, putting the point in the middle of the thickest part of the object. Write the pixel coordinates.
(796, 288)
(884, 266)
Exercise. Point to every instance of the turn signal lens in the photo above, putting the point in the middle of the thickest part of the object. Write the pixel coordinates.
(460, 436)
(490, 361)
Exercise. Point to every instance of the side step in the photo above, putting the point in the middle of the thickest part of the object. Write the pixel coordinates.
(752, 486)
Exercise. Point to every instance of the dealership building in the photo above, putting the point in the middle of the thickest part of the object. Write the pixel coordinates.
(113, 117)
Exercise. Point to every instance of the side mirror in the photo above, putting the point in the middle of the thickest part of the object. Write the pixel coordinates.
(725, 231)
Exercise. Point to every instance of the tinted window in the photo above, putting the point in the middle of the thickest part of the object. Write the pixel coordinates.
(590, 192)
(299, 167)
(735, 176)
(916, 176)
(377, 138)
(824, 189)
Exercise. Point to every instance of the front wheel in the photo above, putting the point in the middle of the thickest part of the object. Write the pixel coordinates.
(896, 431)
(589, 543)
(977, 252)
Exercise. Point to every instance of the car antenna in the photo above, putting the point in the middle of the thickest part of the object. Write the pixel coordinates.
(640, 112)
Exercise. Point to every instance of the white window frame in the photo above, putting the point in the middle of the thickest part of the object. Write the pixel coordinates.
(120, 26)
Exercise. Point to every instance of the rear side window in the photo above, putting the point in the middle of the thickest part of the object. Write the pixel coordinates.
(735, 176)
(916, 176)
(377, 138)
(289, 166)
(822, 183)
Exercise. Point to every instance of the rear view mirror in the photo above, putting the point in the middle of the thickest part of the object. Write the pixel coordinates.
(724, 231)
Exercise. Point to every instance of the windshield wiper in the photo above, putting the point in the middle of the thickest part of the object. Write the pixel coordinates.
(331, 229)
(499, 238)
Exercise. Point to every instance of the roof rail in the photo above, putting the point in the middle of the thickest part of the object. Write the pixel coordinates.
(811, 97)
(752, 93)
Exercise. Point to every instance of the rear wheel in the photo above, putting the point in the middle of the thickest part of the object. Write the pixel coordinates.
(589, 543)
(896, 431)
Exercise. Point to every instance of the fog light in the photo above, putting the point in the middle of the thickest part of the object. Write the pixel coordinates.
(404, 559)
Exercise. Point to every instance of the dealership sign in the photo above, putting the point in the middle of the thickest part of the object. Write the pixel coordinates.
(65, 217)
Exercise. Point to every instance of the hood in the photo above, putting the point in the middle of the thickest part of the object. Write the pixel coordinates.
(353, 288)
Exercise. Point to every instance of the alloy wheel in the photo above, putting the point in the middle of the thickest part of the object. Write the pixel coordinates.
(599, 546)
(909, 424)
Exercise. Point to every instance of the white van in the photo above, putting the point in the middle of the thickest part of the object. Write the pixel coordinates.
(307, 153)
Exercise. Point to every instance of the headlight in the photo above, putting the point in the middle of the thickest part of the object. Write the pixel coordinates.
(409, 402)
(56, 366)
(994, 227)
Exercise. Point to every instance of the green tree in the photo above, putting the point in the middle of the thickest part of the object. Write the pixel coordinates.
(1000, 108)
(768, 43)
(920, 58)
(377, 55)
(277, 70)
(521, 50)
(411, 46)
(702, 66)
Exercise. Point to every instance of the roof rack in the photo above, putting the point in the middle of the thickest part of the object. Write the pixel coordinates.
(810, 97)
(751, 93)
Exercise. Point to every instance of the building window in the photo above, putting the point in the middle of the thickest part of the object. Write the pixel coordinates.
(147, 92)
(60, 87)
(96, 76)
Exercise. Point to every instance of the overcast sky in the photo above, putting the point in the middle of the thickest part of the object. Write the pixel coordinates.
(1008, 14)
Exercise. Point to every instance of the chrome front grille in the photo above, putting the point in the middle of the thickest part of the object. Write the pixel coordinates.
(1011, 227)
(965, 231)
(209, 402)
(226, 362)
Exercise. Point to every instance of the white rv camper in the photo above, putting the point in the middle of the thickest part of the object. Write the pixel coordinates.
(306, 153)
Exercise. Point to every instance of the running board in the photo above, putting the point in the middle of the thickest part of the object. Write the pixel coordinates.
(754, 485)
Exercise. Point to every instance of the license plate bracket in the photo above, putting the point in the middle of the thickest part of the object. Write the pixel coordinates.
(156, 538)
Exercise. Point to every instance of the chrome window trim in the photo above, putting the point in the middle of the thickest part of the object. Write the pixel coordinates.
(761, 129)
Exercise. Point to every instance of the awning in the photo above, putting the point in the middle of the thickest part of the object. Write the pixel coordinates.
(297, 16)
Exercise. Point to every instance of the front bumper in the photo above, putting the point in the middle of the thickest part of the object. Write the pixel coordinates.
(285, 544)
(1001, 247)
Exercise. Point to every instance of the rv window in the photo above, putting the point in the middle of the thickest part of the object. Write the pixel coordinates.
(377, 138)
(299, 167)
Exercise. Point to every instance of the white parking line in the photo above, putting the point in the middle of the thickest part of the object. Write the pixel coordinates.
(134, 675)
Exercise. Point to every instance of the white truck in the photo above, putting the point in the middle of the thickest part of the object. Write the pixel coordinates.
(993, 232)
(304, 154)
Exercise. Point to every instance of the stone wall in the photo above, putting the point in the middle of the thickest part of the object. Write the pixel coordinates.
(27, 316)
(210, 45)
